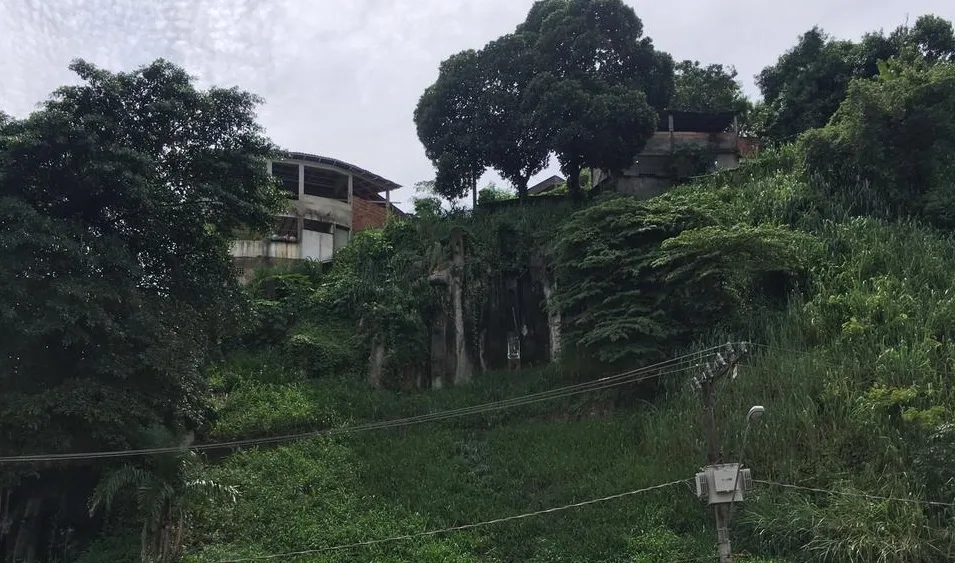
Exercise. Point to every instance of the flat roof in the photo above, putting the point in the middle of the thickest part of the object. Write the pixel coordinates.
(369, 180)
(696, 121)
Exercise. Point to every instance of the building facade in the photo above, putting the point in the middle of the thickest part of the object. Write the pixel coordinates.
(685, 144)
(329, 201)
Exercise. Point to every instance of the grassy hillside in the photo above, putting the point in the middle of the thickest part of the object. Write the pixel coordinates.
(852, 374)
(846, 288)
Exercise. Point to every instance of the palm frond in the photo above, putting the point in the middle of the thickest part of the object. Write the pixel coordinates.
(115, 482)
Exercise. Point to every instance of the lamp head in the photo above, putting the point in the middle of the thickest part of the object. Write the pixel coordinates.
(754, 413)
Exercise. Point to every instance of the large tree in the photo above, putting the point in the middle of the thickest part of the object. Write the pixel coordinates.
(803, 89)
(514, 147)
(118, 200)
(600, 83)
(711, 88)
(576, 78)
(448, 119)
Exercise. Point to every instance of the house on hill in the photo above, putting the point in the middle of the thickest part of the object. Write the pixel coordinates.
(545, 186)
(685, 144)
(330, 200)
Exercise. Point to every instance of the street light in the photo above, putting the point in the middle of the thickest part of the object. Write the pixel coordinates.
(755, 412)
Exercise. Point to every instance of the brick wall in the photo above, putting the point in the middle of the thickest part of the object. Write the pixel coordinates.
(367, 214)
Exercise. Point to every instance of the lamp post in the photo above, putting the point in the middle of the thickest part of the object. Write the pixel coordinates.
(755, 412)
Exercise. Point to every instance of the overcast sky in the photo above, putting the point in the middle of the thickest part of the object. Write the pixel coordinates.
(341, 77)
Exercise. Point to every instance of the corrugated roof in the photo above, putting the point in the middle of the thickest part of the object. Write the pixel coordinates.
(374, 181)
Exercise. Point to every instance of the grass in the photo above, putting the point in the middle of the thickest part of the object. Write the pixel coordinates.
(854, 375)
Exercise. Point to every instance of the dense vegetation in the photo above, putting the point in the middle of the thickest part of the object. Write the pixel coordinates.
(123, 327)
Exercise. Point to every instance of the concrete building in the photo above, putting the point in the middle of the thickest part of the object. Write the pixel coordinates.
(330, 200)
(686, 144)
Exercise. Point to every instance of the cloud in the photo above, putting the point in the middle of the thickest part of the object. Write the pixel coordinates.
(342, 77)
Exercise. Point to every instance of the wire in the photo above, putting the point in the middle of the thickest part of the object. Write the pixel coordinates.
(673, 365)
(853, 494)
(453, 528)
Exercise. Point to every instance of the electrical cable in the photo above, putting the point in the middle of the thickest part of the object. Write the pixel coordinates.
(854, 494)
(673, 365)
(452, 528)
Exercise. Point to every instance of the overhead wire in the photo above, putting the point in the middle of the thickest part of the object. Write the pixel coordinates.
(654, 371)
(855, 494)
(450, 529)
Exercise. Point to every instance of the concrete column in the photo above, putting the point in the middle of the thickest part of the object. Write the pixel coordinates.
(301, 180)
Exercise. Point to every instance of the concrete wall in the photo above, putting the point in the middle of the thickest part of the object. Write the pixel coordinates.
(317, 246)
(266, 249)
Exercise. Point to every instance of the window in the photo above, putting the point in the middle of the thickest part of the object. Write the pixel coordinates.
(326, 183)
(317, 226)
(288, 175)
(342, 235)
(285, 230)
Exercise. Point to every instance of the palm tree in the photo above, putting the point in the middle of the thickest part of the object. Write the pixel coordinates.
(167, 494)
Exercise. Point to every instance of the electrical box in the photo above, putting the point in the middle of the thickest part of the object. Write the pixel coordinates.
(723, 483)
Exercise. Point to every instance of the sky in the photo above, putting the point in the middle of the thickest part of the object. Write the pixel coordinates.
(341, 78)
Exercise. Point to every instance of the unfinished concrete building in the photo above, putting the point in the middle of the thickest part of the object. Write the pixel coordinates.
(686, 144)
(330, 200)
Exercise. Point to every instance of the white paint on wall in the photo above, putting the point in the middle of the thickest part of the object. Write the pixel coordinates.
(317, 246)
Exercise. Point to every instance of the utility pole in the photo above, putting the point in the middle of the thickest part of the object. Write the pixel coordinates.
(718, 481)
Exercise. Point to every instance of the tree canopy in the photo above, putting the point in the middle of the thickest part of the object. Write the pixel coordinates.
(118, 201)
(577, 78)
(804, 88)
(710, 88)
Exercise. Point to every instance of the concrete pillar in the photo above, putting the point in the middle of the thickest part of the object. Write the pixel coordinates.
(301, 181)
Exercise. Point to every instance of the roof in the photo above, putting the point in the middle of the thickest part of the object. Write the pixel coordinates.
(543, 185)
(368, 180)
(697, 122)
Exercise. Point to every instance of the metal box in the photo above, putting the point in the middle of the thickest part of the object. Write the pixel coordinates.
(722, 484)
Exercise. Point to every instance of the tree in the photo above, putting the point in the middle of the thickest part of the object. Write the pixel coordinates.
(118, 200)
(168, 493)
(889, 149)
(491, 192)
(808, 82)
(599, 83)
(448, 121)
(713, 88)
(514, 146)
(806, 85)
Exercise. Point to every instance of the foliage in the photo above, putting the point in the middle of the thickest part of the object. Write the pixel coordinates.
(711, 88)
(805, 87)
(448, 124)
(599, 83)
(576, 78)
(119, 198)
(380, 280)
(513, 145)
(168, 493)
(493, 193)
(639, 279)
(895, 133)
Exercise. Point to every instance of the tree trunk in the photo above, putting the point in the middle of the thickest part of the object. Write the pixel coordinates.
(553, 317)
(521, 186)
(24, 550)
(573, 183)
(376, 362)
(462, 365)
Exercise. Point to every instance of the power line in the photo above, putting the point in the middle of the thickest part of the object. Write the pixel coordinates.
(855, 494)
(452, 528)
(674, 365)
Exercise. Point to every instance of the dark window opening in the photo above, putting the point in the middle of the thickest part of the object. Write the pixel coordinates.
(286, 230)
(342, 235)
(288, 175)
(325, 183)
(317, 226)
